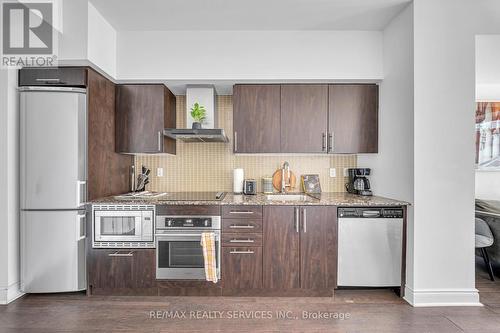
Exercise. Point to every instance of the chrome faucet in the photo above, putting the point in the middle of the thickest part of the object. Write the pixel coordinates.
(284, 184)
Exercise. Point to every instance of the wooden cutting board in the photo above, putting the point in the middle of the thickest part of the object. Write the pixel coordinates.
(292, 180)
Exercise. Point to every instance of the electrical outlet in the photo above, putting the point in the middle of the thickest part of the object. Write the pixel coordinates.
(346, 172)
(333, 173)
(159, 172)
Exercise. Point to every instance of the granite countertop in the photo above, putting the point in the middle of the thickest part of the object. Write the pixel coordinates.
(327, 199)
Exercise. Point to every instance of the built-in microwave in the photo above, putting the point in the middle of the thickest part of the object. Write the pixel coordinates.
(123, 226)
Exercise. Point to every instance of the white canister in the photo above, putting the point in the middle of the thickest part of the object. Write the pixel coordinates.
(238, 177)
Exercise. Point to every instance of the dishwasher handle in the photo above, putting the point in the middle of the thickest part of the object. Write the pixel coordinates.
(371, 213)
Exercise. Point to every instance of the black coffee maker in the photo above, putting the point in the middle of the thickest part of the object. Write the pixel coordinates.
(358, 183)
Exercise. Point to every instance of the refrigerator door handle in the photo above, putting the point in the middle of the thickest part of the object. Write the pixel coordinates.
(79, 184)
(79, 220)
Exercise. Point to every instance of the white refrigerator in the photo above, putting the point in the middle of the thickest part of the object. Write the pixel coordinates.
(53, 160)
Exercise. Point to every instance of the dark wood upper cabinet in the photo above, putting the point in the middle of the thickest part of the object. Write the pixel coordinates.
(353, 118)
(281, 257)
(304, 118)
(256, 118)
(318, 247)
(108, 172)
(142, 112)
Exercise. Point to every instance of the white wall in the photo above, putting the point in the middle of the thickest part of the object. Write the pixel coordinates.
(247, 55)
(101, 42)
(9, 203)
(444, 97)
(392, 167)
(72, 39)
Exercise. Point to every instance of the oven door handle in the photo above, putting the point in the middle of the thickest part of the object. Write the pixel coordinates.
(180, 237)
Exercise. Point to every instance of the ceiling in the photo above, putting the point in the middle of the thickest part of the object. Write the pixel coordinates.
(249, 14)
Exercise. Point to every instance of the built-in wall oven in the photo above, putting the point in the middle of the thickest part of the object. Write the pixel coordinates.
(179, 255)
(123, 226)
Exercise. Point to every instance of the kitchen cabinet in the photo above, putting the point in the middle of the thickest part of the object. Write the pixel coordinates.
(128, 270)
(241, 248)
(108, 172)
(304, 118)
(318, 247)
(353, 118)
(242, 267)
(142, 112)
(299, 248)
(256, 118)
(281, 248)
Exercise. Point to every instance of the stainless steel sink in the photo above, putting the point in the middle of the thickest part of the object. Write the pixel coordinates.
(288, 197)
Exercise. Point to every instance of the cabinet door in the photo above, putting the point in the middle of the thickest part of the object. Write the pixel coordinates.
(141, 112)
(144, 269)
(318, 247)
(122, 269)
(281, 247)
(256, 118)
(242, 267)
(353, 118)
(304, 118)
(108, 172)
(111, 269)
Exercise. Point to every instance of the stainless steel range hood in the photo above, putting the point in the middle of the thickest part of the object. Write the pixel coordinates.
(196, 135)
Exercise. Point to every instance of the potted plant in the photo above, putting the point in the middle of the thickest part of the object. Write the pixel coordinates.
(198, 113)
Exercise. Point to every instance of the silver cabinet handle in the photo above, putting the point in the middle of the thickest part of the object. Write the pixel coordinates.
(241, 252)
(235, 141)
(118, 254)
(324, 148)
(234, 226)
(331, 139)
(297, 219)
(304, 217)
(242, 241)
(160, 141)
(241, 212)
(47, 80)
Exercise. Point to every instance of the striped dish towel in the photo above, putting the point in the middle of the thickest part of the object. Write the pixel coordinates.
(208, 245)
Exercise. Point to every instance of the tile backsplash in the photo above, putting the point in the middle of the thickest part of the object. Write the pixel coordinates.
(209, 166)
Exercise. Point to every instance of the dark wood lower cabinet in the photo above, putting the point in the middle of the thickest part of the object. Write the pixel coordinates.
(318, 247)
(128, 271)
(300, 247)
(281, 248)
(242, 267)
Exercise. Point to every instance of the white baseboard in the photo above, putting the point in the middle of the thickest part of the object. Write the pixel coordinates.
(10, 293)
(438, 297)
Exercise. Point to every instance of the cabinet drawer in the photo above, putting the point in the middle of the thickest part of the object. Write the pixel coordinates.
(241, 226)
(188, 210)
(242, 267)
(242, 212)
(57, 76)
(241, 239)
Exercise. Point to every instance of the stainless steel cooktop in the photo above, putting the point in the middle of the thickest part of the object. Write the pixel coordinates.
(193, 196)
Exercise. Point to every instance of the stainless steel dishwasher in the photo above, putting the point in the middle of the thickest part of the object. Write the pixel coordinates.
(370, 247)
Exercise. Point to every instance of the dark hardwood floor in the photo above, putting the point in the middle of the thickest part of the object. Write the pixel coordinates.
(368, 311)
